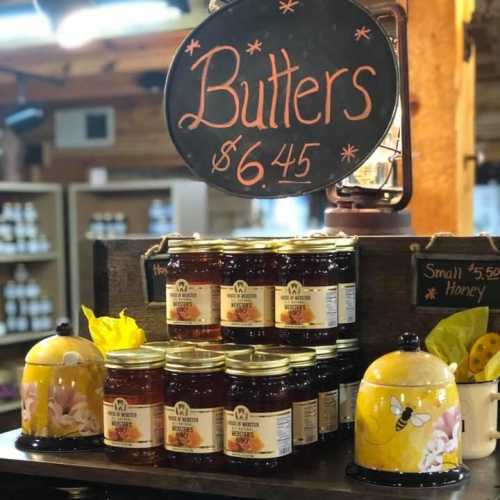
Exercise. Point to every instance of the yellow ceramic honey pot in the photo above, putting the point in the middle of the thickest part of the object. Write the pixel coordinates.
(408, 424)
(61, 394)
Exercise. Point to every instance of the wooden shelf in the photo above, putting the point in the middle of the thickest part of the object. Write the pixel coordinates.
(25, 258)
(21, 338)
(133, 198)
(10, 406)
(324, 479)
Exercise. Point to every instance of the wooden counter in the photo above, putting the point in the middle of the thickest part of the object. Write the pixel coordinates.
(325, 480)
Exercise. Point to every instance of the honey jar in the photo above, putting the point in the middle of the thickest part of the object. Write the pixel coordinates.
(327, 380)
(304, 391)
(306, 292)
(258, 414)
(194, 406)
(247, 292)
(193, 290)
(133, 406)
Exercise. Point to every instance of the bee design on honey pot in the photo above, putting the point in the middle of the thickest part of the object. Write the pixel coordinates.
(407, 415)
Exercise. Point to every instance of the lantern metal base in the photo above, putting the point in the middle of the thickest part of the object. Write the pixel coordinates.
(408, 480)
(45, 444)
(368, 222)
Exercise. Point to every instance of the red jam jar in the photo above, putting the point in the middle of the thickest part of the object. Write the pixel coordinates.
(347, 261)
(327, 382)
(304, 392)
(133, 406)
(194, 410)
(258, 414)
(306, 292)
(247, 292)
(193, 290)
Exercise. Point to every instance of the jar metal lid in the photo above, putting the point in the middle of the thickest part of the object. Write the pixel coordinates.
(250, 246)
(228, 349)
(308, 245)
(195, 246)
(257, 364)
(197, 361)
(325, 351)
(346, 345)
(299, 356)
(169, 346)
(135, 359)
(346, 244)
(201, 343)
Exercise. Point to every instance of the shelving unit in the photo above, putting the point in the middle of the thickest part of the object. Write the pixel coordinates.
(190, 209)
(48, 269)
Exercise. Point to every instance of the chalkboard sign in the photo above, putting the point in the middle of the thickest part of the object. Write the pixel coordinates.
(456, 281)
(272, 98)
(154, 271)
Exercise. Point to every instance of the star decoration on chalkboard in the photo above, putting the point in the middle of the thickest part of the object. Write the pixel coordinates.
(254, 47)
(349, 153)
(193, 45)
(362, 32)
(288, 6)
(431, 294)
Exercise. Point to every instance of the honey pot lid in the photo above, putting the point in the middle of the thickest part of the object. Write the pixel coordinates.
(64, 349)
(409, 367)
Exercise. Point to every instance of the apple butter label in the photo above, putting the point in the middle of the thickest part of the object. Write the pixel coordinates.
(193, 430)
(347, 396)
(247, 306)
(257, 435)
(305, 422)
(192, 304)
(328, 403)
(128, 425)
(347, 303)
(300, 307)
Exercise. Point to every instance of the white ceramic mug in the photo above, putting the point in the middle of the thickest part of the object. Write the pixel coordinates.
(479, 407)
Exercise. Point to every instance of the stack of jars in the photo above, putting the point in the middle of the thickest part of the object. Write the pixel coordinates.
(245, 409)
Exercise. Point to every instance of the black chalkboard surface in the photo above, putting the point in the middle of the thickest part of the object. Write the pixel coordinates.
(456, 281)
(271, 98)
(154, 271)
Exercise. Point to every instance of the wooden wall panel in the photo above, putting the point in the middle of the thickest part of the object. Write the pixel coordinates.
(442, 88)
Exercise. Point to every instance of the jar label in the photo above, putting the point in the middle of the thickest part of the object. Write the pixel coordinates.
(305, 422)
(347, 396)
(191, 304)
(257, 435)
(128, 424)
(299, 307)
(193, 430)
(328, 403)
(246, 306)
(347, 303)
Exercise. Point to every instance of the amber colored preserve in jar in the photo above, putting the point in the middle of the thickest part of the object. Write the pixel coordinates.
(304, 392)
(306, 292)
(328, 392)
(258, 414)
(247, 292)
(194, 410)
(133, 406)
(193, 290)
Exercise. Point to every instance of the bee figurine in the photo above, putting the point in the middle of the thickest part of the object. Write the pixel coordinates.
(407, 415)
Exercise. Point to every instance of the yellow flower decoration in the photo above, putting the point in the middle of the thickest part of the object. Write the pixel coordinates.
(111, 334)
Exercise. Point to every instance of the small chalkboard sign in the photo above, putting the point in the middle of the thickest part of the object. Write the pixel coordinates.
(456, 281)
(154, 271)
(155, 279)
(273, 98)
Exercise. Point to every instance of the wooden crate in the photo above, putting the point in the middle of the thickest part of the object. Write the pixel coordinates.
(385, 310)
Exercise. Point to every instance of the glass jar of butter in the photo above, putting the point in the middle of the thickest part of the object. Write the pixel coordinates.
(193, 290)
